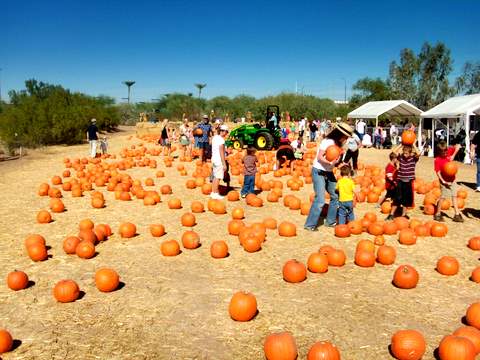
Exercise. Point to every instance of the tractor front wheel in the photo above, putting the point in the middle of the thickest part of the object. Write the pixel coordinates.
(264, 141)
(238, 144)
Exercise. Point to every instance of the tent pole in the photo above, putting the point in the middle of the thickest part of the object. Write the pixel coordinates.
(419, 136)
(430, 152)
(467, 159)
(448, 132)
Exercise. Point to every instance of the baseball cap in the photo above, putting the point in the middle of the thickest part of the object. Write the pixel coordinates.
(224, 127)
(94, 120)
(204, 116)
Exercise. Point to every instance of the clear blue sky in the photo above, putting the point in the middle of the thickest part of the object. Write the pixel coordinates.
(252, 47)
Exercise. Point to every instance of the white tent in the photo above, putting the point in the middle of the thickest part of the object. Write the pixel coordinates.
(393, 108)
(458, 111)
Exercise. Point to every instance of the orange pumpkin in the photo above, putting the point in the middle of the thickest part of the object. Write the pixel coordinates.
(44, 217)
(243, 306)
(238, 213)
(106, 280)
(280, 346)
(364, 258)
(342, 231)
(336, 257)
(127, 230)
(449, 170)
(408, 345)
(471, 334)
(323, 350)
(405, 277)
(475, 275)
(332, 152)
(6, 341)
(386, 255)
(66, 291)
(287, 229)
(197, 207)
(34, 239)
(474, 243)
(270, 223)
(438, 230)
(366, 245)
(456, 348)
(170, 248)
(17, 280)
(70, 244)
(219, 249)
(294, 271)
(375, 228)
(190, 240)
(447, 265)
(174, 204)
(85, 250)
(157, 230)
(473, 315)
(408, 137)
(356, 227)
(188, 219)
(407, 237)
(317, 263)
(37, 252)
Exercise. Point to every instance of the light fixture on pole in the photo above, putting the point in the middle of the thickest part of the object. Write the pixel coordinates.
(129, 85)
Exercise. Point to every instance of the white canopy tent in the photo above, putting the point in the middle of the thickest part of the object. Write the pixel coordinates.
(393, 108)
(458, 111)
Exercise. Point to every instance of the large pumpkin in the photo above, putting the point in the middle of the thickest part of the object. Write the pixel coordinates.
(342, 231)
(323, 350)
(106, 280)
(408, 345)
(405, 277)
(473, 315)
(471, 334)
(448, 265)
(66, 291)
(243, 306)
(280, 346)
(17, 280)
(456, 348)
(332, 152)
(294, 271)
(6, 341)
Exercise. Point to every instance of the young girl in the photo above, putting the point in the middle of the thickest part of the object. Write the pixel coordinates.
(406, 174)
(346, 192)
(448, 185)
(250, 169)
(390, 180)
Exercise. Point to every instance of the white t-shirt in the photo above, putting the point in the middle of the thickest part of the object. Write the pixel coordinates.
(324, 144)
(353, 142)
(361, 127)
(301, 125)
(217, 141)
(367, 140)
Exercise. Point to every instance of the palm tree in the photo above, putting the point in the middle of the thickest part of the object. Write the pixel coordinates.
(200, 87)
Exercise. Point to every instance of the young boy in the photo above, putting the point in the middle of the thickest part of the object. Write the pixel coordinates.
(448, 185)
(104, 145)
(406, 174)
(249, 171)
(346, 191)
(390, 179)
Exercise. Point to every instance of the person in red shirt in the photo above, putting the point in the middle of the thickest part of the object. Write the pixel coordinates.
(390, 179)
(448, 186)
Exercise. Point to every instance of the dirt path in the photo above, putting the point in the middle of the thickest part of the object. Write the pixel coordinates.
(177, 308)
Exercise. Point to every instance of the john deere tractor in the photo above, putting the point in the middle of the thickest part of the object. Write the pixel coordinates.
(262, 138)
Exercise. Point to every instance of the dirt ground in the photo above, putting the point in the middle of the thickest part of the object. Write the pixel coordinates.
(177, 308)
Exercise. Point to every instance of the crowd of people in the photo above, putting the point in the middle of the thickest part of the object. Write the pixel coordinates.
(209, 140)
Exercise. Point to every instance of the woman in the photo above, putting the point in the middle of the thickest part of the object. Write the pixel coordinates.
(165, 136)
(324, 179)
(353, 145)
(185, 135)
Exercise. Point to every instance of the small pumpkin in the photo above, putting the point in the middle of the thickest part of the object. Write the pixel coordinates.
(44, 217)
(294, 271)
(85, 250)
(280, 346)
(456, 348)
(438, 230)
(405, 277)
(70, 244)
(407, 237)
(238, 213)
(332, 152)
(476, 275)
(107, 280)
(287, 229)
(408, 137)
(188, 219)
(243, 306)
(447, 265)
(365, 258)
(66, 291)
(408, 345)
(342, 231)
(471, 333)
(157, 230)
(17, 280)
(197, 207)
(252, 244)
(127, 230)
(37, 252)
(386, 255)
(86, 224)
(317, 263)
(474, 243)
(190, 240)
(219, 249)
(6, 341)
(174, 203)
(34, 239)
(270, 223)
(473, 315)
(323, 350)
(170, 248)
(235, 227)
(336, 257)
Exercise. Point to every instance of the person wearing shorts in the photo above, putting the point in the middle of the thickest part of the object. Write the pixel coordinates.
(448, 185)
(204, 139)
(218, 160)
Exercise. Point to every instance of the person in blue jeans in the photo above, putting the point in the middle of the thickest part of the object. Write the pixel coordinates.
(475, 150)
(249, 171)
(324, 179)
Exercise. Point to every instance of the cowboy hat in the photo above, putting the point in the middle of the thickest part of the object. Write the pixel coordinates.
(344, 128)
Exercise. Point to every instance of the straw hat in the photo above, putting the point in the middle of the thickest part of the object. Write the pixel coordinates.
(344, 128)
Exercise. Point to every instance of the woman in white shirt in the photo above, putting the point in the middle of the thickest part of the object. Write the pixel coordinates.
(324, 179)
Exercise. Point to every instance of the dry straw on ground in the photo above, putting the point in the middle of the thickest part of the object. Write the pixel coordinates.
(177, 308)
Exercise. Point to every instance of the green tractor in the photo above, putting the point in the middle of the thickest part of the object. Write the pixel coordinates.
(262, 138)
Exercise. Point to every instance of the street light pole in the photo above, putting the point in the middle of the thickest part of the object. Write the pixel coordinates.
(345, 91)
(0, 85)
(129, 85)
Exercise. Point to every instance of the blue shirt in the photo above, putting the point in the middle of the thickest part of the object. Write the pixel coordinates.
(206, 128)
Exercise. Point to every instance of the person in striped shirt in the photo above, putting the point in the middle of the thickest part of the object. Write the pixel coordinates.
(407, 161)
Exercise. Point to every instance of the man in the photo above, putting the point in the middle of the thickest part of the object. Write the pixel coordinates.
(301, 126)
(393, 134)
(204, 139)
(313, 130)
(361, 128)
(475, 154)
(92, 137)
(219, 164)
(272, 122)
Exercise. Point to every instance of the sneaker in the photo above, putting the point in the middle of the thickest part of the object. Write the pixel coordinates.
(438, 217)
(244, 196)
(458, 218)
(477, 189)
(331, 225)
(310, 228)
(389, 217)
(406, 217)
(216, 196)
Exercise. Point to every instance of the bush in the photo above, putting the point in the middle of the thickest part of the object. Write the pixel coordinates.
(45, 114)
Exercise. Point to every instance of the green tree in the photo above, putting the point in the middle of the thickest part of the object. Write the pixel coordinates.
(368, 89)
(200, 88)
(469, 82)
(403, 79)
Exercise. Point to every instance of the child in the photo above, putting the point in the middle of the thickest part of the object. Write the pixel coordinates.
(250, 169)
(104, 145)
(346, 191)
(448, 185)
(390, 179)
(406, 174)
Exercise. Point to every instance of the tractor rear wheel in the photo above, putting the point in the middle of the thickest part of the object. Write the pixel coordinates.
(238, 144)
(264, 141)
